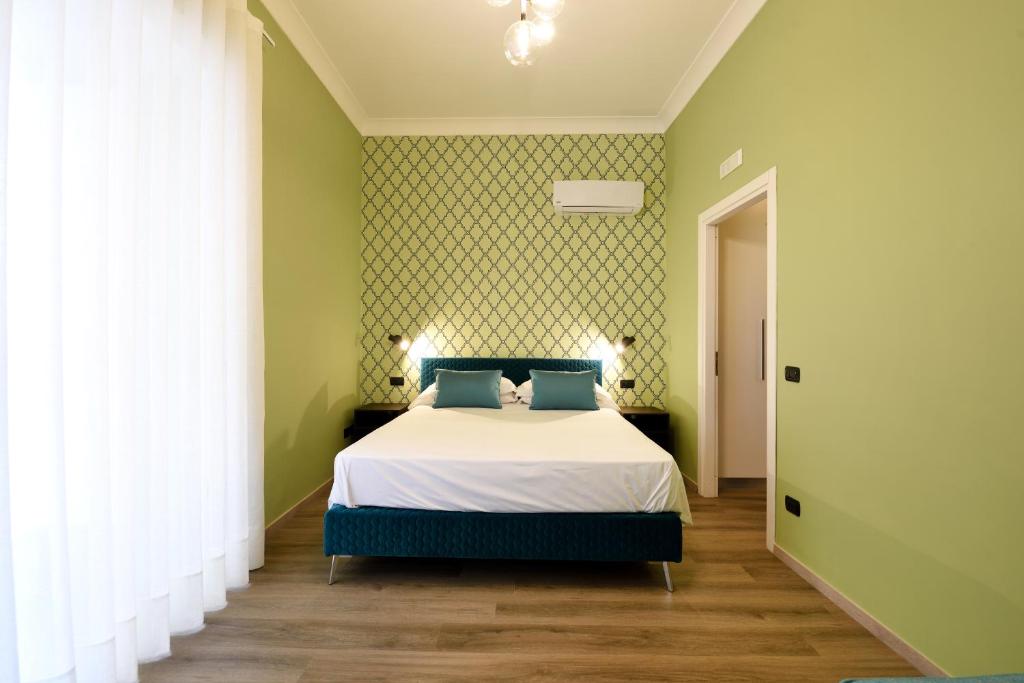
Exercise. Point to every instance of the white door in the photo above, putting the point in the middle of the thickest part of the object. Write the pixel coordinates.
(742, 309)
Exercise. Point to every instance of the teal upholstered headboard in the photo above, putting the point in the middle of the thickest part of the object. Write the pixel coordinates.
(516, 369)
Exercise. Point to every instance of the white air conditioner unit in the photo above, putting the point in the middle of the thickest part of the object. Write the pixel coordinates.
(612, 197)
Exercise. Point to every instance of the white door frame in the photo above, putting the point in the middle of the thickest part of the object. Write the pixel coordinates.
(761, 188)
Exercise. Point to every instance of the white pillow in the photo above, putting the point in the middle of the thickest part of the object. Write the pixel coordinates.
(524, 392)
(604, 399)
(506, 393)
(426, 397)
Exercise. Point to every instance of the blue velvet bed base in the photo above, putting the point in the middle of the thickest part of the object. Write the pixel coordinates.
(602, 537)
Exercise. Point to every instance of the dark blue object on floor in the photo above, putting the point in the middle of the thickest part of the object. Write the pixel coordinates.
(604, 537)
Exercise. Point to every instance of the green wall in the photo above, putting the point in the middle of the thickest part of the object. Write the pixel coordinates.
(311, 190)
(896, 128)
(463, 252)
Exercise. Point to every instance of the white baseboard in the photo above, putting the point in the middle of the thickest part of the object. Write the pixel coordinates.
(290, 512)
(858, 614)
(689, 481)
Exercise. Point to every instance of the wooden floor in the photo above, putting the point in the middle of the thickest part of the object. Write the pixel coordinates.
(738, 614)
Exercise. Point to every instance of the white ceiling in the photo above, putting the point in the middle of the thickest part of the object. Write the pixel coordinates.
(437, 66)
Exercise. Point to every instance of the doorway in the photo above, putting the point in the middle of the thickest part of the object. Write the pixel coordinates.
(742, 312)
(736, 374)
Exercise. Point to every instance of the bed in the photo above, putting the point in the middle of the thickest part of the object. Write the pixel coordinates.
(515, 483)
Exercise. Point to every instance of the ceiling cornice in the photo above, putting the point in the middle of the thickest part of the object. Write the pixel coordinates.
(717, 45)
(535, 125)
(305, 41)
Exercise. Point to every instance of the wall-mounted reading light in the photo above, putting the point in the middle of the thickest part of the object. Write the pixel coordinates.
(400, 341)
(623, 344)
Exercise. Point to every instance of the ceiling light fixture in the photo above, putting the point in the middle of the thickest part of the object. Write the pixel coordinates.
(542, 31)
(534, 29)
(547, 9)
(518, 42)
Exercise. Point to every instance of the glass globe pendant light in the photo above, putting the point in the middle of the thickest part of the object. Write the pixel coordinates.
(547, 9)
(542, 31)
(519, 41)
(523, 36)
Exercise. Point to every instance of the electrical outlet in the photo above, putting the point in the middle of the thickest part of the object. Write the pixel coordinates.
(397, 381)
(627, 383)
(792, 505)
(792, 373)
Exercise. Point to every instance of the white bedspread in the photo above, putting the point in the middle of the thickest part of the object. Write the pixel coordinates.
(509, 460)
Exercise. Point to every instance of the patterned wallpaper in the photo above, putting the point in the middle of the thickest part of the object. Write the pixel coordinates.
(463, 254)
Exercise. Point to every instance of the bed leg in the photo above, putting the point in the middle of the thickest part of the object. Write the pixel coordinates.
(330, 577)
(668, 577)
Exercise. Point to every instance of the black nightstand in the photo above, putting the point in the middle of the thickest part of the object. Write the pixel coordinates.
(373, 415)
(653, 422)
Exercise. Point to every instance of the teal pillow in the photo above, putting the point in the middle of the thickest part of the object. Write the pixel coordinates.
(563, 390)
(468, 389)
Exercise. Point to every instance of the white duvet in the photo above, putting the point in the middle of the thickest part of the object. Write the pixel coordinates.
(509, 460)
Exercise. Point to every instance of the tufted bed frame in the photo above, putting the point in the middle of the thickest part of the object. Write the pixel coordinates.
(574, 536)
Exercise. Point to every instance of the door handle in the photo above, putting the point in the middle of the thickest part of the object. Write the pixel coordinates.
(763, 359)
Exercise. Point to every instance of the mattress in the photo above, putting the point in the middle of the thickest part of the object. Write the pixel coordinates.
(509, 460)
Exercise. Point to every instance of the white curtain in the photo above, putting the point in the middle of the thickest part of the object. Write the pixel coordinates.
(131, 334)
